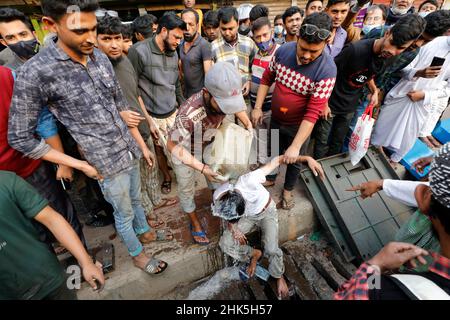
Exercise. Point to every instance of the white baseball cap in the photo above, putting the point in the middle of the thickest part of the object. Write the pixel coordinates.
(244, 11)
(224, 83)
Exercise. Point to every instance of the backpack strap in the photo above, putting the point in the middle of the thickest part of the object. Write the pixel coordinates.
(418, 287)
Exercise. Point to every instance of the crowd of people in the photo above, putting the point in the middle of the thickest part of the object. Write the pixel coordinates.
(119, 106)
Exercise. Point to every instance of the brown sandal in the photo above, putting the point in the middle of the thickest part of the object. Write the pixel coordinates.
(286, 204)
(166, 203)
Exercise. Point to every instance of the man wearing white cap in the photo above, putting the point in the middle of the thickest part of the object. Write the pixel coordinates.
(202, 112)
(244, 18)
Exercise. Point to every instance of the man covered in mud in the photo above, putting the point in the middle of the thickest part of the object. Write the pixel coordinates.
(247, 204)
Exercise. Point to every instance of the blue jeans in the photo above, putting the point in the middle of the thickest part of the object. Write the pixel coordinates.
(123, 192)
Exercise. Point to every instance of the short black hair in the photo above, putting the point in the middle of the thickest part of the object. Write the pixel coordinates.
(170, 21)
(226, 14)
(231, 204)
(277, 17)
(291, 11)
(333, 2)
(143, 25)
(210, 19)
(320, 20)
(258, 11)
(58, 9)
(259, 23)
(10, 14)
(441, 212)
(407, 28)
(311, 1)
(109, 25)
(438, 23)
(127, 31)
(197, 17)
(432, 2)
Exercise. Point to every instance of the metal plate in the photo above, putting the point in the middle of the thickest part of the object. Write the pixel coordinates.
(366, 225)
(325, 215)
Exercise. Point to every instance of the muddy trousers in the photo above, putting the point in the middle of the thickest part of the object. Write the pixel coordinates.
(268, 222)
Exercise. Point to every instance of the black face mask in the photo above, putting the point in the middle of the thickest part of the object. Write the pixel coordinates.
(25, 49)
(244, 29)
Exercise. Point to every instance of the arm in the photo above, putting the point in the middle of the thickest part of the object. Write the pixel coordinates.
(65, 234)
(374, 92)
(207, 56)
(147, 154)
(207, 64)
(272, 165)
(391, 257)
(151, 123)
(304, 131)
(179, 92)
(183, 155)
(63, 172)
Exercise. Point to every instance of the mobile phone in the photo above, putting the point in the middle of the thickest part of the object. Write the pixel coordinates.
(437, 62)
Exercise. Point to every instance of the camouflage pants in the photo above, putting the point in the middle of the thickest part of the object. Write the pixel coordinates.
(150, 188)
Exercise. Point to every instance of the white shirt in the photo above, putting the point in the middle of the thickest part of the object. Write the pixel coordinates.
(250, 186)
(402, 190)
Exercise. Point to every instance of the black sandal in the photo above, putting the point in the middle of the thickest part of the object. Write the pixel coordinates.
(166, 187)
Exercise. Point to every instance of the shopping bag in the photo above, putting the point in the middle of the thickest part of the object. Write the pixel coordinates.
(360, 138)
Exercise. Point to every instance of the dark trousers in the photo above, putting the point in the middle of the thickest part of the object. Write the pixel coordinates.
(62, 293)
(44, 180)
(286, 137)
(329, 135)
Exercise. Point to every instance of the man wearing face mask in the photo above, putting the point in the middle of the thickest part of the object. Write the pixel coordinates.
(262, 35)
(195, 54)
(398, 9)
(278, 30)
(244, 19)
(22, 40)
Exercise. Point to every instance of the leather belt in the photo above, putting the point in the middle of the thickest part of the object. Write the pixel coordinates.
(267, 205)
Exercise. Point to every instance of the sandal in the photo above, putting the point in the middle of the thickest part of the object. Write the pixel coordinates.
(286, 204)
(166, 187)
(153, 265)
(162, 235)
(200, 234)
(269, 183)
(166, 203)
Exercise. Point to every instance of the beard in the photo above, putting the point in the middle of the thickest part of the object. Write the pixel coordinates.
(115, 61)
(189, 37)
(167, 45)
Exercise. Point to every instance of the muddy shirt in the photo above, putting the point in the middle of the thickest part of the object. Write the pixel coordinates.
(194, 119)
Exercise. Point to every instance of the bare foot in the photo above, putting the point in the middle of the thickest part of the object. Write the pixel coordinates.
(283, 290)
(256, 254)
(166, 203)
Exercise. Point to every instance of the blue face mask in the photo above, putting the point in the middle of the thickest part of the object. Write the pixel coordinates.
(367, 28)
(265, 46)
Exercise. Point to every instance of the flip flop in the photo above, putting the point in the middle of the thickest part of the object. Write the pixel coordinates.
(161, 236)
(200, 234)
(154, 223)
(152, 266)
(166, 187)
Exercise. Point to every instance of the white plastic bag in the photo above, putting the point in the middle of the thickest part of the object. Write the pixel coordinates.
(229, 153)
(360, 139)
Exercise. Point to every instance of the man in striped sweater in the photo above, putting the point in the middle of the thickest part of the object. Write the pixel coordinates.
(304, 77)
(263, 37)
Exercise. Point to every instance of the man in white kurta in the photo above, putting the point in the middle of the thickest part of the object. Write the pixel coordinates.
(408, 105)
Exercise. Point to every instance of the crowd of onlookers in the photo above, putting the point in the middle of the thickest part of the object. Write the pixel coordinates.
(100, 115)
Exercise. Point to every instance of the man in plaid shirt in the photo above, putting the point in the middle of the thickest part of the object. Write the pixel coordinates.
(396, 254)
(234, 48)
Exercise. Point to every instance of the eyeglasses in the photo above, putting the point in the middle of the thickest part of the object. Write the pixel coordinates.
(311, 30)
(101, 13)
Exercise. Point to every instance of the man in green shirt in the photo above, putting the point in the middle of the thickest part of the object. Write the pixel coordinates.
(28, 270)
